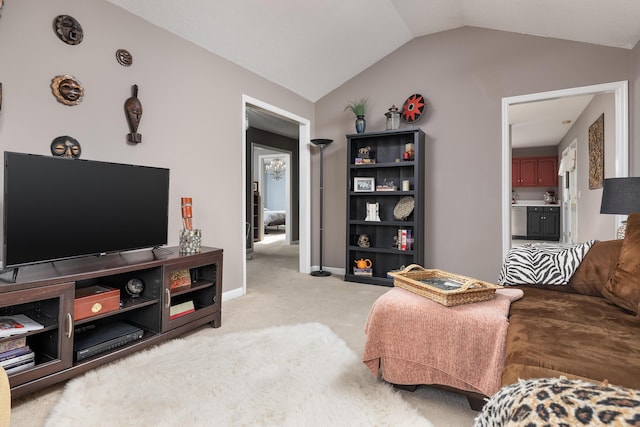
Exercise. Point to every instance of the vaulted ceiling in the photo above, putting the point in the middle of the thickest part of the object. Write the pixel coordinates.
(312, 47)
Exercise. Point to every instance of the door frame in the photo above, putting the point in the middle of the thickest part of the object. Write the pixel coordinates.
(304, 159)
(621, 91)
(570, 196)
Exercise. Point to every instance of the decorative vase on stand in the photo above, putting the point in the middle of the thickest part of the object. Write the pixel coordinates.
(361, 124)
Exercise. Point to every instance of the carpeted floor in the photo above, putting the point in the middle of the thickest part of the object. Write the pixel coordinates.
(278, 295)
(291, 375)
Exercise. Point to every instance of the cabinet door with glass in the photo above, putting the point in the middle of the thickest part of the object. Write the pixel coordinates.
(49, 344)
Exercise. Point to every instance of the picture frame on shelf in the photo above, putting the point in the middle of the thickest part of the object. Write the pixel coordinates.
(364, 184)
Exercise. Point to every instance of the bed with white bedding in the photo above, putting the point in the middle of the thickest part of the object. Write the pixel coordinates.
(273, 218)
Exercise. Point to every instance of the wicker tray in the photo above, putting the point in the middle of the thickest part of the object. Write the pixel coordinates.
(442, 287)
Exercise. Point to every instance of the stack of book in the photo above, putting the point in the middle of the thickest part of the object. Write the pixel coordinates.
(181, 309)
(16, 356)
(361, 161)
(363, 271)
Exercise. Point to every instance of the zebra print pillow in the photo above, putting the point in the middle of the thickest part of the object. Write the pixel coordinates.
(542, 264)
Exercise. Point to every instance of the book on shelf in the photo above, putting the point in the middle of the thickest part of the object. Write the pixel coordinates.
(181, 309)
(404, 240)
(12, 344)
(386, 188)
(17, 324)
(18, 360)
(21, 367)
(180, 279)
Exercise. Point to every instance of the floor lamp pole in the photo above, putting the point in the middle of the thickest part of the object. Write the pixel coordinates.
(321, 143)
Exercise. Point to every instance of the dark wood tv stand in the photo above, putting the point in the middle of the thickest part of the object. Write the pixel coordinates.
(46, 294)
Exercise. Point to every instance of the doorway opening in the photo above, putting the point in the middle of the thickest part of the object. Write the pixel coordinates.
(620, 90)
(304, 180)
(275, 195)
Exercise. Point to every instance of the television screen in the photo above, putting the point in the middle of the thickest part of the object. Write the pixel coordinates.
(57, 208)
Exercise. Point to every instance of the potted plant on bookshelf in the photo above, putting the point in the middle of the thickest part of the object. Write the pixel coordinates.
(358, 108)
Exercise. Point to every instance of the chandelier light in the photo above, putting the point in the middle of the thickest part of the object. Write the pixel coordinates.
(276, 168)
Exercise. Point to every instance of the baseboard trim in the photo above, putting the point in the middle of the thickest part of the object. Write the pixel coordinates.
(232, 294)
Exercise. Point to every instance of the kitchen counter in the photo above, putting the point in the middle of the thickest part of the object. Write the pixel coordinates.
(534, 203)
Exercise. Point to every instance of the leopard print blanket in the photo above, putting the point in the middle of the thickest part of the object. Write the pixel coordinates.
(561, 402)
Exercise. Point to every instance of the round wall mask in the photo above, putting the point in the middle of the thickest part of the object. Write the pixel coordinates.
(66, 146)
(413, 108)
(124, 57)
(68, 29)
(67, 89)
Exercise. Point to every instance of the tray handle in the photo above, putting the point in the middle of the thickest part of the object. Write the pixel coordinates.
(410, 267)
(478, 284)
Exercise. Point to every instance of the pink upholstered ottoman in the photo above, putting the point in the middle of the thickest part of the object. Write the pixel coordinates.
(412, 340)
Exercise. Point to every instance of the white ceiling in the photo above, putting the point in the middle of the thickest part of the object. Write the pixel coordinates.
(312, 47)
(544, 123)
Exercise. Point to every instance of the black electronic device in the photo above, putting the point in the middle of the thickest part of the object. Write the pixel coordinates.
(57, 208)
(89, 342)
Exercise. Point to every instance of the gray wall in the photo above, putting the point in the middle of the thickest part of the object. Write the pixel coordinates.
(464, 74)
(592, 224)
(192, 102)
(634, 117)
(192, 120)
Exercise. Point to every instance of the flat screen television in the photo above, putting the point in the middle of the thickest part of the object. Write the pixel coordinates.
(58, 208)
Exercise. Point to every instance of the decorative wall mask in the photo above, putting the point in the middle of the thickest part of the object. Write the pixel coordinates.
(67, 89)
(133, 109)
(413, 108)
(124, 58)
(66, 146)
(68, 29)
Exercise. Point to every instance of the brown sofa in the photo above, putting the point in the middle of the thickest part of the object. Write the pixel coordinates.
(588, 329)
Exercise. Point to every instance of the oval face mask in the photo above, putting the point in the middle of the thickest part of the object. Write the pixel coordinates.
(66, 146)
(68, 29)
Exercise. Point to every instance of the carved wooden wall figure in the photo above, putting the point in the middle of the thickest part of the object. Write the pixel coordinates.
(67, 89)
(68, 29)
(133, 109)
(66, 146)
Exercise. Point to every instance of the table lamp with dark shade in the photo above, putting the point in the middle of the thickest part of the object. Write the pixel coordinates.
(321, 143)
(621, 196)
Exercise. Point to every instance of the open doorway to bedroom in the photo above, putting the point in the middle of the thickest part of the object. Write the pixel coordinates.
(272, 173)
(273, 135)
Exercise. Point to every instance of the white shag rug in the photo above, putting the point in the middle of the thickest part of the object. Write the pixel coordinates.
(299, 375)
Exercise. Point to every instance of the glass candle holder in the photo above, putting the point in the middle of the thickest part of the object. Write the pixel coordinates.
(393, 118)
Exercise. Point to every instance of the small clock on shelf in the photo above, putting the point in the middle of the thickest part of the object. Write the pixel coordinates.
(134, 288)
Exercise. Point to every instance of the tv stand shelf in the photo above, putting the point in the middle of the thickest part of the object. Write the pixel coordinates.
(46, 293)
